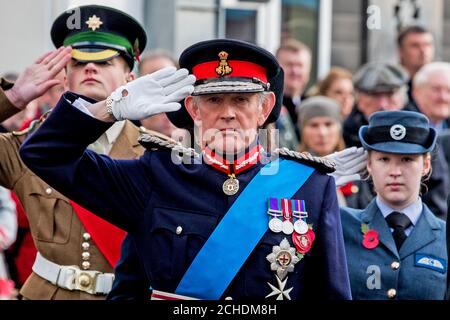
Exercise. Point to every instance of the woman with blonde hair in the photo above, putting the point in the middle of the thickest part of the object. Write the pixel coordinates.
(338, 85)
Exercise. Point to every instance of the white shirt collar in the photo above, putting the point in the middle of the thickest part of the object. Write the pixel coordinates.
(113, 132)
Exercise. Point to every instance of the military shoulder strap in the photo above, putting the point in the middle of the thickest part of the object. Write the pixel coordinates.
(152, 141)
(319, 163)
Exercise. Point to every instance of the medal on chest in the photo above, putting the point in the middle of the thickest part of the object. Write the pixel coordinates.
(289, 217)
(230, 186)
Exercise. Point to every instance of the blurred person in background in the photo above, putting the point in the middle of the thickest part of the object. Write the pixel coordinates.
(338, 85)
(379, 86)
(431, 92)
(320, 126)
(294, 58)
(416, 48)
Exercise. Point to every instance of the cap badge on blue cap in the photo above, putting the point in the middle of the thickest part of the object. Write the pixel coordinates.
(94, 23)
(223, 69)
(398, 132)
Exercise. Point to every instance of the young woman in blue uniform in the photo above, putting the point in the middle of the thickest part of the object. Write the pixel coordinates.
(396, 247)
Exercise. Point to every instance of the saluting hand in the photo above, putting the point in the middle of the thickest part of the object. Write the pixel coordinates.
(36, 79)
(350, 165)
(155, 93)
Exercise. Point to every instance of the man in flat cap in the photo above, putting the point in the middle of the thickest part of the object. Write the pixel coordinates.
(77, 250)
(379, 86)
(226, 222)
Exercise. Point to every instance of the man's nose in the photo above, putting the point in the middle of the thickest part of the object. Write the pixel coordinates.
(90, 67)
(395, 170)
(228, 112)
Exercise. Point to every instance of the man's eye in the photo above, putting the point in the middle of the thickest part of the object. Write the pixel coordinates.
(213, 99)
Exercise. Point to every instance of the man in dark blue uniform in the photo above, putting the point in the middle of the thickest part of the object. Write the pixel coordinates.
(228, 221)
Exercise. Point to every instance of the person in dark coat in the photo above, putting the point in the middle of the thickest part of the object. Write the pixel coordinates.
(185, 209)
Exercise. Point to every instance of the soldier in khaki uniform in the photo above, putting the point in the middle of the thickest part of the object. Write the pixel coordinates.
(74, 262)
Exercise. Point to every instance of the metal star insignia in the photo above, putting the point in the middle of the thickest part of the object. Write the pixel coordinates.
(282, 259)
(280, 291)
(94, 22)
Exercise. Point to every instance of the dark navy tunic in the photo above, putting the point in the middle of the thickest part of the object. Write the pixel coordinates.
(151, 197)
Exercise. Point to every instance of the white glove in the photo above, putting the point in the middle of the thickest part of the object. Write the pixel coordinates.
(155, 93)
(350, 165)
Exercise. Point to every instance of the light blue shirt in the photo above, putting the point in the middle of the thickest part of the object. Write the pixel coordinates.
(413, 212)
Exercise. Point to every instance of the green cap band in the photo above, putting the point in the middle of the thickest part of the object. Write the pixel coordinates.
(101, 37)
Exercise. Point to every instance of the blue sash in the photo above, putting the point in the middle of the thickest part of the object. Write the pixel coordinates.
(234, 239)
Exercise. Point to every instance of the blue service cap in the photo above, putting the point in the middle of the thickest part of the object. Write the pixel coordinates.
(401, 132)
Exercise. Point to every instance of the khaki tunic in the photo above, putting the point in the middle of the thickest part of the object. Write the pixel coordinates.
(55, 227)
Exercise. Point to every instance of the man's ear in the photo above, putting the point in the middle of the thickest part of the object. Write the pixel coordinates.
(426, 165)
(192, 108)
(130, 76)
(266, 108)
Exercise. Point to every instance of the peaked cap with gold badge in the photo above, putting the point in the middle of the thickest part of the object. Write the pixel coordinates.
(230, 66)
(98, 33)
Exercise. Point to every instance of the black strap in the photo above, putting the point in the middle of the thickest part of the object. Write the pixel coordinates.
(383, 134)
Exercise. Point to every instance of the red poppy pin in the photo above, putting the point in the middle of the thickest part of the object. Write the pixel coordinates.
(370, 240)
(303, 242)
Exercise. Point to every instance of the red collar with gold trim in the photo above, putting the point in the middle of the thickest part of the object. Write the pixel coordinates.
(244, 162)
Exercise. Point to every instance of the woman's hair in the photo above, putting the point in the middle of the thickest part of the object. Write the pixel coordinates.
(335, 73)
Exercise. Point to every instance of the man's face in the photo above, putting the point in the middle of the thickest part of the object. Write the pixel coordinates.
(369, 103)
(297, 67)
(228, 123)
(397, 177)
(417, 50)
(97, 80)
(433, 97)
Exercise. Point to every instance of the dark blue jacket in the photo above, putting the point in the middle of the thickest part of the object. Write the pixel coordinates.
(151, 197)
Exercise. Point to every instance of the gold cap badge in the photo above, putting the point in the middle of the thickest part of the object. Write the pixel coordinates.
(94, 22)
(223, 69)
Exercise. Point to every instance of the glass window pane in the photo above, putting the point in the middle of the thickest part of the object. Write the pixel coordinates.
(241, 24)
(299, 20)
